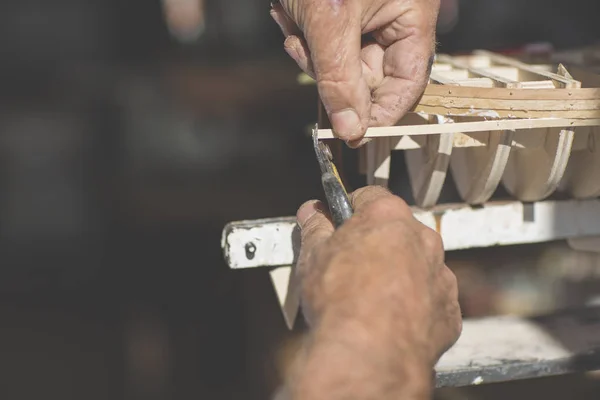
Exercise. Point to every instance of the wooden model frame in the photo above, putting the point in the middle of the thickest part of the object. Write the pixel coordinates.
(494, 120)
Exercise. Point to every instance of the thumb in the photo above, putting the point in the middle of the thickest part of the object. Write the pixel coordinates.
(333, 34)
(315, 226)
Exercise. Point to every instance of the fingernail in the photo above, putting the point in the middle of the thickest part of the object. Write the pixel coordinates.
(346, 124)
(289, 46)
(306, 211)
(355, 144)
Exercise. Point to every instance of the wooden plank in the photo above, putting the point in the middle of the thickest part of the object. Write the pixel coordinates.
(450, 111)
(513, 94)
(466, 127)
(512, 104)
(482, 94)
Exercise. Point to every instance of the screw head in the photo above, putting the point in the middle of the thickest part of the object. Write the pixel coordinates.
(250, 250)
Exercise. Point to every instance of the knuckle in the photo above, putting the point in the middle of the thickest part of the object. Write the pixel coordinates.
(381, 206)
(371, 192)
(333, 79)
(377, 200)
(432, 241)
(391, 207)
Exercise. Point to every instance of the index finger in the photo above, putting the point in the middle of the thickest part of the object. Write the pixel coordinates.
(333, 35)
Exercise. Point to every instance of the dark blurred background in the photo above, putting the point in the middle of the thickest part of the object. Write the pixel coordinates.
(130, 133)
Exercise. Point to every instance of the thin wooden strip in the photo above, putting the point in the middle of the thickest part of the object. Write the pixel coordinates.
(508, 104)
(465, 127)
(497, 58)
(499, 80)
(453, 111)
(447, 77)
(482, 94)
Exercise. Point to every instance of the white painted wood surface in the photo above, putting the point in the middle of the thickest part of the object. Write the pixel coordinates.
(504, 348)
(461, 227)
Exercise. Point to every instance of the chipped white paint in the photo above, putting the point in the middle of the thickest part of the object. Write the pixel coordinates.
(477, 381)
(273, 243)
(461, 227)
(496, 349)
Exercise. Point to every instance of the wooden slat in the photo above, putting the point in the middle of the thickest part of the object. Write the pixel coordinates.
(466, 127)
(561, 81)
(513, 94)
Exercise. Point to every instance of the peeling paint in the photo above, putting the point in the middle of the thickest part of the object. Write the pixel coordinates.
(461, 227)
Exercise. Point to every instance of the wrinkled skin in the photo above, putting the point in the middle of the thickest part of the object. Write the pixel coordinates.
(378, 296)
(371, 58)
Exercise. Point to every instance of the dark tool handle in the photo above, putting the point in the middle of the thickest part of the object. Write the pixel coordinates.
(337, 199)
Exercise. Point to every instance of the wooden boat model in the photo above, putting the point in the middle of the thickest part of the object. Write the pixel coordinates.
(494, 120)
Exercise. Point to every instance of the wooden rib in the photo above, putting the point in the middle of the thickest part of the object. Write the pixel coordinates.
(378, 157)
(427, 166)
(377, 153)
(535, 171)
(582, 177)
(467, 127)
(477, 171)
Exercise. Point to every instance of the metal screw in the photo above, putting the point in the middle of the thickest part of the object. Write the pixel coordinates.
(250, 250)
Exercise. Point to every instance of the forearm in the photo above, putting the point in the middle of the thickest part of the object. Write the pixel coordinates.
(351, 361)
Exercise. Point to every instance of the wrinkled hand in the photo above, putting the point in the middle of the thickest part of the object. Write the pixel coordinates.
(382, 272)
(371, 58)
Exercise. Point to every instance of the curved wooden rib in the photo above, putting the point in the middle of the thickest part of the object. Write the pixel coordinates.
(477, 171)
(582, 177)
(534, 171)
(378, 160)
(427, 166)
